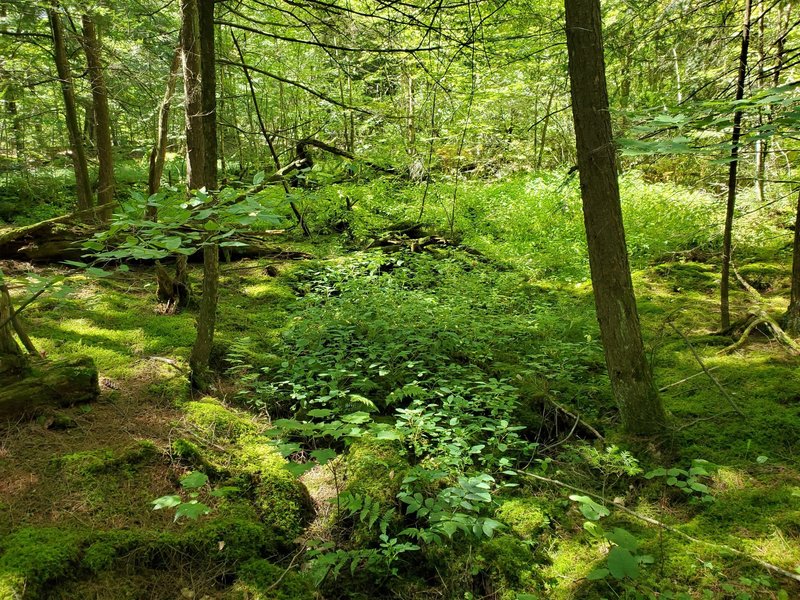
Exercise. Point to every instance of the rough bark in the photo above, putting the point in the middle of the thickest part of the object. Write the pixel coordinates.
(159, 152)
(725, 311)
(83, 187)
(102, 121)
(50, 384)
(631, 379)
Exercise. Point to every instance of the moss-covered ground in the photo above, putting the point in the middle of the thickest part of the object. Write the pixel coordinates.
(77, 485)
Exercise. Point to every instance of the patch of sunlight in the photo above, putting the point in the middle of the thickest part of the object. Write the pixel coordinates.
(571, 562)
(728, 478)
(257, 290)
(777, 548)
(132, 338)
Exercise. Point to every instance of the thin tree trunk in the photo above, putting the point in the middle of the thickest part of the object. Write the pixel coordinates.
(16, 122)
(631, 379)
(732, 170)
(159, 152)
(543, 138)
(190, 48)
(206, 318)
(102, 121)
(792, 319)
(83, 187)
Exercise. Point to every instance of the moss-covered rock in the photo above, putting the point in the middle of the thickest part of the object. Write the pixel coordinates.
(92, 462)
(193, 455)
(216, 420)
(283, 502)
(376, 468)
(261, 580)
(509, 565)
(32, 557)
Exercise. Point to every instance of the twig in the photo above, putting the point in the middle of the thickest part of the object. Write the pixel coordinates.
(703, 366)
(576, 417)
(684, 380)
(661, 524)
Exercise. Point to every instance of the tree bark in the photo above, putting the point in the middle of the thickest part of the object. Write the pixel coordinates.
(725, 311)
(791, 320)
(102, 121)
(204, 89)
(159, 152)
(631, 379)
(190, 49)
(83, 187)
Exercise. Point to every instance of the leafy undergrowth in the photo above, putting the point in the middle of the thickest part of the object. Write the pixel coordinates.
(379, 418)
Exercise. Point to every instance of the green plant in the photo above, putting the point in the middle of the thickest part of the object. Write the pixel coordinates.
(192, 508)
(688, 481)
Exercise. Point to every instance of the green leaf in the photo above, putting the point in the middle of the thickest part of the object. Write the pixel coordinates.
(323, 455)
(589, 508)
(660, 472)
(762, 459)
(258, 178)
(597, 574)
(172, 242)
(191, 510)
(489, 525)
(297, 469)
(194, 480)
(320, 413)
(622, 564)
(166, 502)
(624, 539)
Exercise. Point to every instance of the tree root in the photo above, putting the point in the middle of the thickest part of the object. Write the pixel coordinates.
(662, 525)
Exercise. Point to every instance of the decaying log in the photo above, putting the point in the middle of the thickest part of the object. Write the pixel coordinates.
(52, 240)
(49, 384)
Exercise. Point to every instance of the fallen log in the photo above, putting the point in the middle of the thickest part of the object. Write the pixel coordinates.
(49, 384)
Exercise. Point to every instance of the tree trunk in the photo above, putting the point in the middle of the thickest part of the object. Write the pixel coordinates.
(198, 32)
(792, 318)
(102, 121)
(732, 170)
(83, 187)
(190, 48)
(159, 152)
(631, 379)
(16, 122)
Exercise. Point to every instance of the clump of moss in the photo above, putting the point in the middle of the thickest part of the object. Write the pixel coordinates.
(193, 455)
(510, 566)
(526, 517)
(375, 468)
(282, 500)
(92, 462)
(261, 580)
(32, 557)
(217, 420)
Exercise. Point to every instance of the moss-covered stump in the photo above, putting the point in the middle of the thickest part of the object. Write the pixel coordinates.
(57, 383)
(248, 460)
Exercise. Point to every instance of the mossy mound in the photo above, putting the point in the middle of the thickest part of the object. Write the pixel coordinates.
(280, 498)
(526, 517)
(262, 580)
(216, 420)
(93, 462)
(375, 468)
(32, 557)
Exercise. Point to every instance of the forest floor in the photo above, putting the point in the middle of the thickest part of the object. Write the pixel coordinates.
(77, 485)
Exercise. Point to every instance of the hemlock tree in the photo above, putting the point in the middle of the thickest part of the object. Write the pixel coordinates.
(631, 380)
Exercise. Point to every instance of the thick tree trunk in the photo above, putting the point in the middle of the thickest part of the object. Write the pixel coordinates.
(83, 187)
(102, 121)
(631, 378)
(49, 384)
(159, 152)
(725, 311)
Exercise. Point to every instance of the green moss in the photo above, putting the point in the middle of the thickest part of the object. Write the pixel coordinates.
(510, 565)
(32, 557)
(281, 499)
(197, 457)
(525, 516)
(375, 468)
(92, 462)
(216, 420)
(261, 580)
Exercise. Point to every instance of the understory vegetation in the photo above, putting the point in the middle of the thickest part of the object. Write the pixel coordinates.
(390, 423)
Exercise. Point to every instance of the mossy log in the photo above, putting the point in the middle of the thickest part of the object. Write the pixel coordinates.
(49, 383)
(52, 240)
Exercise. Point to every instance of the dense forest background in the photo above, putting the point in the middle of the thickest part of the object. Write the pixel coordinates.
(332, 299)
